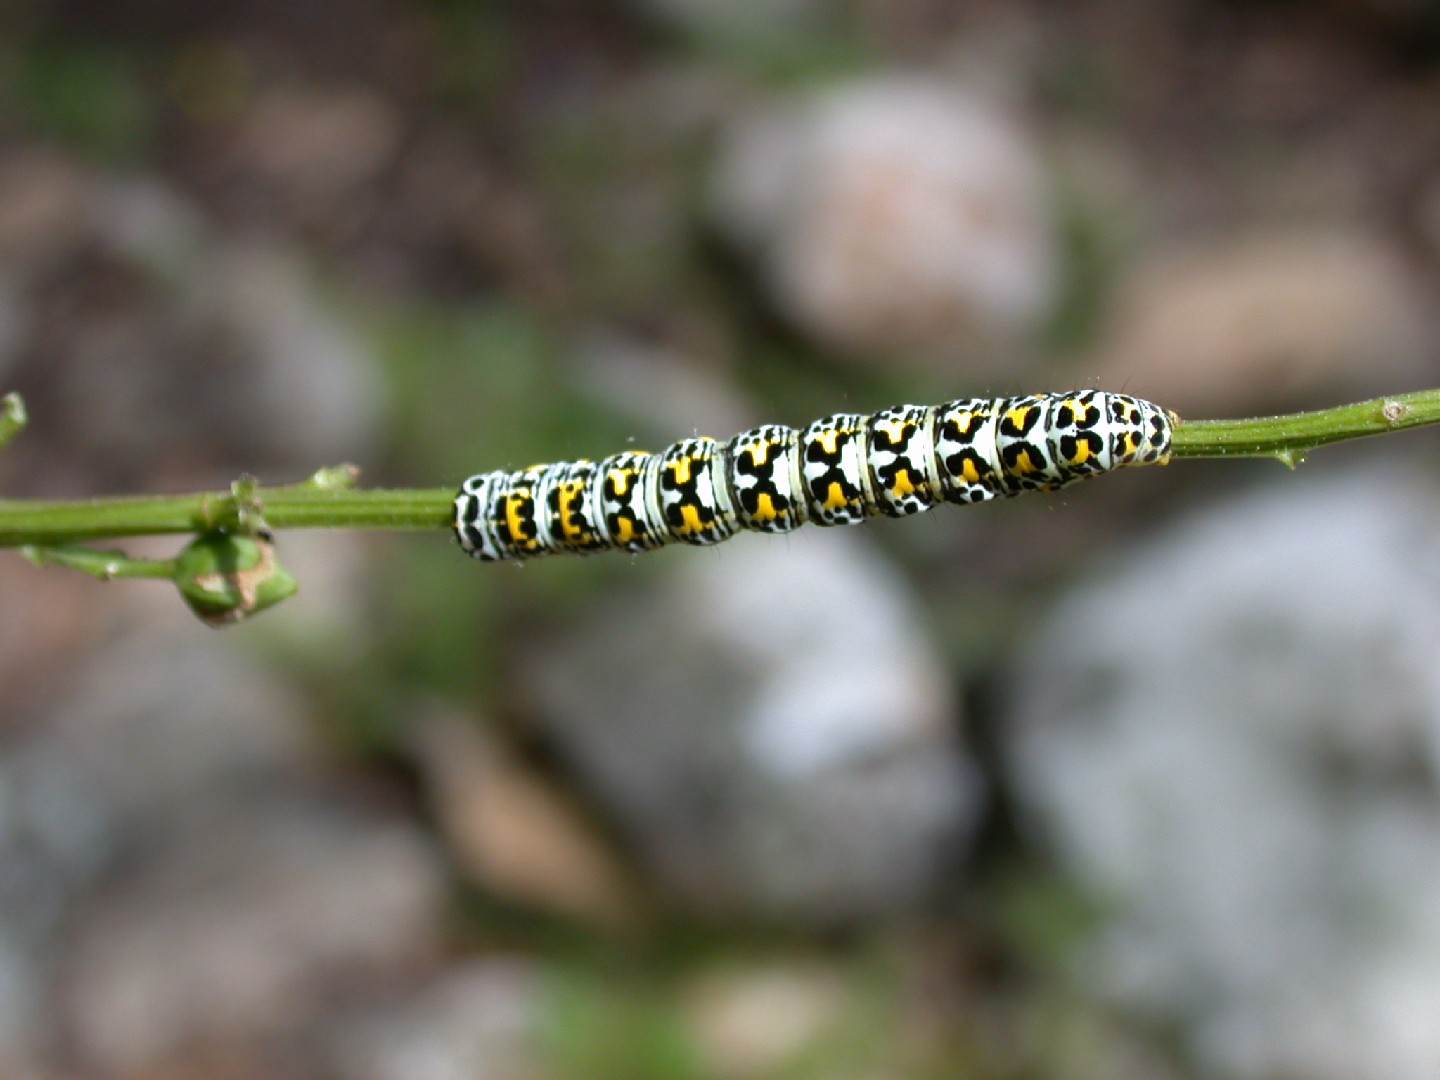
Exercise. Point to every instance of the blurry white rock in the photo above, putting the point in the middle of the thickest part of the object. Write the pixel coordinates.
(234, 924)
(317, 142)
(897, 214)
(335, 570)
(146, 332)
(52, 844)
(753, 1022)
(45, 210)
(27, 1031)
(1256, 319)
(55, 838)
(1233, 739)
(46, 620)
(482, 1021)
(668, 392)
(772, 728)
(144, 220)
(44, 216)
(148, 737)
(293, 370)
(162, 829)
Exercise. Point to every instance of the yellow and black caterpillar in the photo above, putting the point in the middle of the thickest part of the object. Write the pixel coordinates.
(838, 470)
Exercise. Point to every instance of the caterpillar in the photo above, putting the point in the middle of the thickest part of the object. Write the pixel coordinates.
(837, 471)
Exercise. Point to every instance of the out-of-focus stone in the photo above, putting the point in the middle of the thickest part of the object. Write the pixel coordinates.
(334, 569)
(318, 142)
(55, 838)
(305, 372)
(44, 210)
(26, 1032)
(480, 1022)
(44, 215)
(1258, 319)
(655, 387)
(772, 728)
(132, 328)
(1233, 738)
(53, 841)
(150, 735)
(161, 830)
(899, 215)
(512, 831)
(46, 617)
(752, 1022)
(231, 926)
(146, 222)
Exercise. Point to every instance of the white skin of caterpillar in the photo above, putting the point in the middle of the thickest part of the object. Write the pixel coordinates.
(840, 469)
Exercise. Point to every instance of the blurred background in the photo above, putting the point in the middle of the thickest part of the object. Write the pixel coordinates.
(1140, 780)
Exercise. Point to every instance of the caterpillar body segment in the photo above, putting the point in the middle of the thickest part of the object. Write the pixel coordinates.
(904, 475)
(838, 470)
(763, 468)
(569, 508)
(965, 451)
(626, 512)
(835, 476)
(694, 493)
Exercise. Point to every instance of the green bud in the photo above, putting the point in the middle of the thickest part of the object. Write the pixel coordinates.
(225, 578)
(12, 418)
(334, 477)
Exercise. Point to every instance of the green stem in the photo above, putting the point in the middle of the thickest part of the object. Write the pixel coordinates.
(1289, 437)
(326, 500)
(35, 521)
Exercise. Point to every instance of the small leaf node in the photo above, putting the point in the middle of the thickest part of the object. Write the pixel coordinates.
(13, 418)
(334, 478)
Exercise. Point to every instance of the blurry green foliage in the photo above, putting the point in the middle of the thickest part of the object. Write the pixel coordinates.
(468, 385)
(1043, 918)
(605, 1020)
(600, 1028)
(475, 57)
(86, 95)
(1090, 259)
(475, 388)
